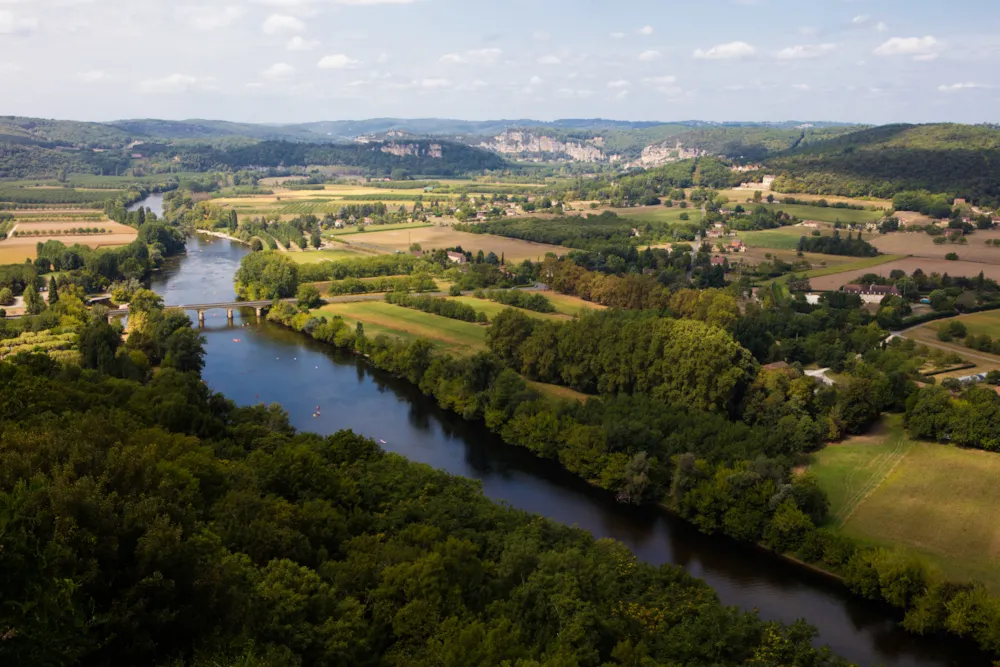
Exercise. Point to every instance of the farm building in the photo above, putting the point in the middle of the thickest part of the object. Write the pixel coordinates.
(457, 257)
(871, 293)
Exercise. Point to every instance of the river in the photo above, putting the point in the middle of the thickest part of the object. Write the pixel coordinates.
(253, 362)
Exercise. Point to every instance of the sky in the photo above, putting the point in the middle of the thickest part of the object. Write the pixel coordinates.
(287, 61)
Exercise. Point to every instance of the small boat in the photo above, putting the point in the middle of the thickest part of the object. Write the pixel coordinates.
(383, 442)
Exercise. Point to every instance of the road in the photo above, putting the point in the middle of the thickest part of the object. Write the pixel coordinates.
(957, 349)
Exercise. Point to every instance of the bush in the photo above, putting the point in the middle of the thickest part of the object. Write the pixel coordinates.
(308, 296)
(455, 290)
(6, 297)
(952, 257)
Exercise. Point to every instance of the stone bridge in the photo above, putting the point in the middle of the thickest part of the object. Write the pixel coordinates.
(202, 308)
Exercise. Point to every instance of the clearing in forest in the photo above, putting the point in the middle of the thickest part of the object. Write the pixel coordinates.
(381, 317)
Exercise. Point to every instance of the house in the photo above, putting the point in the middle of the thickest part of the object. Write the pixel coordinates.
(871, 293)
(457, 257)
(718, 260)
(635, 232)
(136, 156)
(736, 246)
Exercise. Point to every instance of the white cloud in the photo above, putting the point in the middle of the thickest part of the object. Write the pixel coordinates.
(622, 94)
(549, 60)
(645, 30)
(299, 43)
(921, 48)
(726, 51)
(660, 80)
(541, 35)
(477, 57)
(209, 18)
(175, 83)
(860, 19)
(278, 71)
(535, 80)
(254, 84)
(619, 83)
(434, 83)
(338, 61)
(94, 76)
(10, 68)
(12, 24)
(278, 23)
(617, 35)
(881, 26)
(382, 59)
(353, 3)
(803, 87)
(574, 93)
(650, 55)
(955, 87)
(801, 51)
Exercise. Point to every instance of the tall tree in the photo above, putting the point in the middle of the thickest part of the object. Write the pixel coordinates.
(53, 292)
(33, 303)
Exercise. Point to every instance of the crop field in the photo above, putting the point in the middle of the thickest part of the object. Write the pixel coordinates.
(909, 265)
(826, 213)
(431, 238)
(571, 305)
(492, 309)
(738, 196)
(935, 500)
(657, 213)
(286, 201)
(316, 256)
(349, 231)
(18, 248)
(921, 244)
(782, 238)
(55, 195)
(381, 317)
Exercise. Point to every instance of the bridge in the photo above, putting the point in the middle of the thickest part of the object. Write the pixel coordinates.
(202, 308)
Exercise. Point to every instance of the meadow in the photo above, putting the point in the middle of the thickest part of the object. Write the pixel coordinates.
(492, 309)
(935, 500)
(921, 244)
(740, 196)
(656, 213)
(826, 213)
(908, 265)
(381, 317)
(431, 238)
(316, 256)
(571, 305)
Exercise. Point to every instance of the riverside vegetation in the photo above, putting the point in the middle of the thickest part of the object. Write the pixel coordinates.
(724, 460)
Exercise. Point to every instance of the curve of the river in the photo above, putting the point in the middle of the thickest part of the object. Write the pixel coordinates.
(253, 362)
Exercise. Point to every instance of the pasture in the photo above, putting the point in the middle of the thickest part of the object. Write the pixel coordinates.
(743, 196)
(571, 305)
(332, 255)
(978, 323)
(935, 500)
(381, 317)
(827, 213)
(656, 213)
(909, 265)
(492, 309)
(921, 244)
(432, 238)
(350, 231)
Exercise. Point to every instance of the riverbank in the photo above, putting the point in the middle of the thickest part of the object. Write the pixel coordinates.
(256, 363)
(220, 235)
(873, 573)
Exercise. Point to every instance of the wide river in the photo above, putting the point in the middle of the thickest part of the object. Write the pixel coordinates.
(253, 362)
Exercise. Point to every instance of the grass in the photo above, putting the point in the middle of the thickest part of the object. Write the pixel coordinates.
(316, 256)
(979, 323)
(492, 309)
(348, 231)
(933, 500)
(851, 264)
(557, 393)
(659, 213)
(783, 238)
(826, 213)
(571, 305)
(381, 317)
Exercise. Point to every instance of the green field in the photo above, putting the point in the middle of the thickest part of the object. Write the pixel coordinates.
(571, 305)
(492, 309)
(658, 213)
(978, 323)
(852, 264)
(783, 238)
(381, 317)
(825, 213)
(347, 231)
(316, 256)
(930, 499)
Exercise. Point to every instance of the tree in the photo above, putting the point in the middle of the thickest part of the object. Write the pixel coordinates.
(308, 296)
(6, 297)
(940, 301)
(53, 292)
(952, 256)
(266, 275)
(184, 350)
(98, 343)
(33, 303)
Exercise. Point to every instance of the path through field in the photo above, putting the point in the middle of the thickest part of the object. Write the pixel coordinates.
(867, 476)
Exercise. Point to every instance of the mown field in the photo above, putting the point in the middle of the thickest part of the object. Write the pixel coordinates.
(935, 500)
(921, 244)
(381, 317)
(826, 213)
(492, 309)
(431, 238)
(744, 196)
(316, 256)
(571, 305)
(908, 265)
(657, 213)
(350, 231)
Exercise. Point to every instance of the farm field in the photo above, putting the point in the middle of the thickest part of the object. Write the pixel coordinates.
(909, 265)
(18, 248)
(655, 213)
(381, 317)
(782, 238)
(317, 256)
(571, 305)
(291, 202)
(921, 244)
(492, 309)
(826, 213)
(978, 323)
(60, 226)
(935, 500)
(350, 231)
(741, 196)
(431, 238)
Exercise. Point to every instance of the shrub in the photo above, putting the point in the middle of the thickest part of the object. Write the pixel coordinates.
(951, 257)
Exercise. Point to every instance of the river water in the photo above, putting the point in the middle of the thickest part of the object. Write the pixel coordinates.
(253, 362)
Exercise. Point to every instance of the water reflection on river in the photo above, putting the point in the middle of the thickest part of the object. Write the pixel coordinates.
(253, 362)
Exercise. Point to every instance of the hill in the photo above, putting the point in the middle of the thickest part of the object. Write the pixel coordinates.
(957, 160)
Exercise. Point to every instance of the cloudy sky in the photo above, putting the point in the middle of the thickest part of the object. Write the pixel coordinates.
(300, 60)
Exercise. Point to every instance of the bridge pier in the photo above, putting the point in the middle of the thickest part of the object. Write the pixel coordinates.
(229, 315)
(259, 312)
(201, 317)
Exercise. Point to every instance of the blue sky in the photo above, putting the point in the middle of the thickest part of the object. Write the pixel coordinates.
(874, 61)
